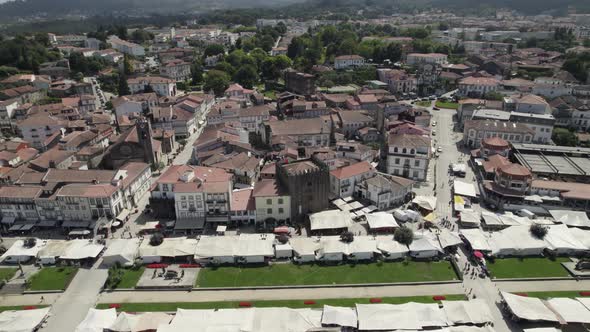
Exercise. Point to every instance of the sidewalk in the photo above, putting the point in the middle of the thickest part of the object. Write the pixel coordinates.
(283, 294)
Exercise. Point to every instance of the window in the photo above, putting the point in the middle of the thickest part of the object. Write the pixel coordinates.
(397, 161)
(268, 201)
(165, 187)
(268, 211)
(404, 150)
(281, 210)
(280, 201)
(417, 163)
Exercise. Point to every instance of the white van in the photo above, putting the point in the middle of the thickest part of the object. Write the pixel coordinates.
(526, 213)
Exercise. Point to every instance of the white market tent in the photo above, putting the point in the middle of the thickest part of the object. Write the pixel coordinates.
(516, 241)
(390, 248)
(408, 316)
(425, 202)
(52, 250)
(464, 189)
(254, 248)
(477, 238)
(379, 220)
(447, 238)
(585, 301)
(216, 249)
(22, 320)
(470, 218)
(82, 249)
(425, 246)
(571, 218)
(19, 253)
(283, 250)
(97, 320)
(362, 248)
(560, 240)
(245, 320)
(583, 236)
(529, 308)
(148, 321)
(170, 247)
(122, 251)
(332, 249)
(570, 310)
(340, 316)
(491, 219)
(475, 311)
(305, 248)
(331, 219)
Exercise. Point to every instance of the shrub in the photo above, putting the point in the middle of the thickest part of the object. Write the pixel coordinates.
(538, 231)
(347, 237)
(404, 235)
(156, 239)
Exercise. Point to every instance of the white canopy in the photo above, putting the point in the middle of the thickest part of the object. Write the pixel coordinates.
(215, 246)
(529, 308)
(560, 239)
(585, 301)
(425, 202)
(82, 249)
(477, 238)
(491, 219)
(170, 247)
(470, 218)
(408, 316)
(19, 253)
(518, 241)
(331, 219)
(139, 322)
(53, 249)
(583, 236)
(97, 320)
(305, 246)
(425, 246)
(381, 220)
(341, 316)
(255, 245)
(22, 320)
(362, 244)
(467, 312)
(123, 251)
(245, 320)
(447, 238)
(389, 246)
(570, 310)
(464, 189)
(571, 218)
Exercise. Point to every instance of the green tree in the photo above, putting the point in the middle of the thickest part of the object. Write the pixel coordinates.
(216, 81)
(247, 76)
(563, 136)
(225, 67)
(127, 66)
(404, 235)
(538, 231)
(214, 49)
(141, 36)
(196, 73)
(123, 87)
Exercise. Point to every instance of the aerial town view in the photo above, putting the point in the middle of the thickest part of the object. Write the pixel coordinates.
(294, 165)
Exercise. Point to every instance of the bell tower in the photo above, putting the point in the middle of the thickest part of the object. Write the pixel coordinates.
(144, 137)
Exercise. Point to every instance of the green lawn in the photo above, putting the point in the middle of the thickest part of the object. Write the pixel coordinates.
(446, 104)
(528, 268)
(8, 273)
(291, 274)
(553, 294)
(424, 103)
(52, 278)
(172, 306)
(270, 94)
(130, 278)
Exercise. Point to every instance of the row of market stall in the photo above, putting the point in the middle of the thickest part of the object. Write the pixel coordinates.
(51, 251)
(490, 220)
(451, 317)
(554, 310)
(520, 241)
(23, 320)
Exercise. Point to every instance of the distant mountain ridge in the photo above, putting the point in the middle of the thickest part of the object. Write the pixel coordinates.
(59, 8)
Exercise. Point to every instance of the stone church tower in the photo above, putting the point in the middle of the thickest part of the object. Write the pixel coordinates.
(144, 136)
